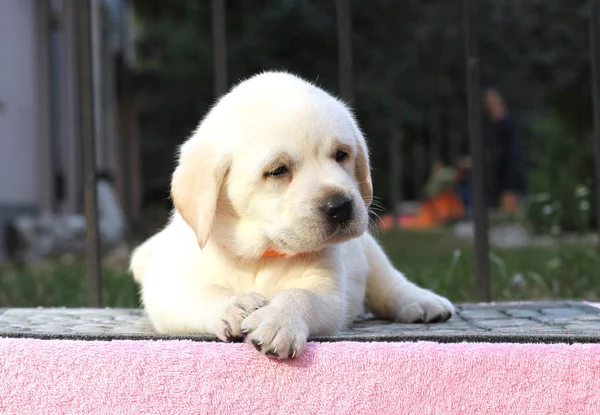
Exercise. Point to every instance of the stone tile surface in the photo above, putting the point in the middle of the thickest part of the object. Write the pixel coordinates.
(520, 322)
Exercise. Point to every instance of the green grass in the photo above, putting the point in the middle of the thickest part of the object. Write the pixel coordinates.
(437, 261)
(432, 259)
(62, 283)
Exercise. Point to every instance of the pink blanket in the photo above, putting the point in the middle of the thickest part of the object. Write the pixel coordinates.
(184, 377)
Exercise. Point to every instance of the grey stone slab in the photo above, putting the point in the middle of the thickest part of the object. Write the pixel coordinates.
(456, 318)
(482, 313)
(126, 317)
(591, 328)
(510, 322)
(526, 305)
(563, 312)
(587, 317)
(545, 319)
(522, 313)
(495, 322)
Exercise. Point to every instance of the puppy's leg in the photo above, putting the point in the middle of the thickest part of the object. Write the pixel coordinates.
(177, 307)
(390, 295)
(313, 307)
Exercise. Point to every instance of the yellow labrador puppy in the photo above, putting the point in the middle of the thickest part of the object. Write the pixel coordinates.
(268, 240)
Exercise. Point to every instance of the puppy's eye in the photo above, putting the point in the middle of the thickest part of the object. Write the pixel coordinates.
(278, 172)
(341, 156)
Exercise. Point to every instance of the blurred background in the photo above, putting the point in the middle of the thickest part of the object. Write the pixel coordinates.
(152, 75)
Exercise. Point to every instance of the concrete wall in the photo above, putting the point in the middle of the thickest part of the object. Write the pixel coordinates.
(18, 103)
(25, 160)
(39, 109)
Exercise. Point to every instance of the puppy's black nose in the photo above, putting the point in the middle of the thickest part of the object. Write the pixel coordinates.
(338, 209)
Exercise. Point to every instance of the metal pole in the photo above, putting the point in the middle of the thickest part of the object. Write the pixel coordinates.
(595, 63)
(86, 124)
(482, 268)
(344, 23)
(395, 174)
(219, 46)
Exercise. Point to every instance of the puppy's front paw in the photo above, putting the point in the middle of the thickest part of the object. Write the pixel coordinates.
(417, 305)
(276, 332)
(235, 311)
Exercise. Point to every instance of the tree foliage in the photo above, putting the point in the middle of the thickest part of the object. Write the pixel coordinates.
(408, 66)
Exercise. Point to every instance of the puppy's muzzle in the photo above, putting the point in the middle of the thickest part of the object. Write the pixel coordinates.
(338, 210)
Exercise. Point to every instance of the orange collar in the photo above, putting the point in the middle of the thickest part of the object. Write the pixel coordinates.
(271, 253)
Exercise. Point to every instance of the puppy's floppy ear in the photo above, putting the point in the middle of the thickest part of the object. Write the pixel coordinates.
(363, 169)
(196, 183)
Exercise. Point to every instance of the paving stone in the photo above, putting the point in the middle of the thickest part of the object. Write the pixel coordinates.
(125, 317)
(89, 328)
(515, 330)
(129, 330)
(60, 319)
(587, 317)
(545, 319)
(563, 312)
(514, 321)
(393, 328)
(457, 323)
(592, 328)
(511, 322)
(522, 313)
(55, 330)
(476, 314)
(535, 305)
(456, 318)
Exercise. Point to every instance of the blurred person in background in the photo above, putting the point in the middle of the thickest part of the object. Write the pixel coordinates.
(504, 157)
(505, 154)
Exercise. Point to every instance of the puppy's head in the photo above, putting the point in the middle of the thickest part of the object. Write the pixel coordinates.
(277, 164)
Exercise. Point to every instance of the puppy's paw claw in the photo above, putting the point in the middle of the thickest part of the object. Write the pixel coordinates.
(276, 333)
(422, 306)
(235, 311)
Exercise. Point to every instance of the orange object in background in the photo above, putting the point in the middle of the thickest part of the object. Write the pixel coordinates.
(386, 222)
(436, 211)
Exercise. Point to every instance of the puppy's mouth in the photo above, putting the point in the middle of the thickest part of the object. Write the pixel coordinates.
(290, 242)
(343, 233)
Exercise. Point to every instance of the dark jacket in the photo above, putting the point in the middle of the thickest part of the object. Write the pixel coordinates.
(506, 164)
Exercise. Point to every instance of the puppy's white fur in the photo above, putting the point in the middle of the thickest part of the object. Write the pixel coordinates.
(206, 273)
